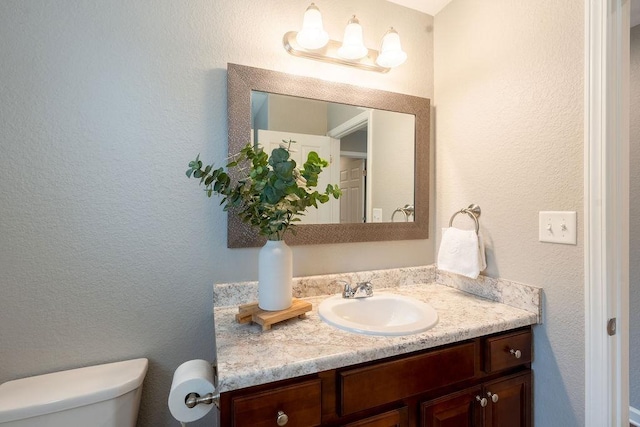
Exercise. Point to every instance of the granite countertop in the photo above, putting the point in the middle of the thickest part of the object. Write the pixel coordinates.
(247, 356)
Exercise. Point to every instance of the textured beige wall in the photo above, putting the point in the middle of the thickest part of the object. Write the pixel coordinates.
(634, 221)
(509, 137)
(107, 251)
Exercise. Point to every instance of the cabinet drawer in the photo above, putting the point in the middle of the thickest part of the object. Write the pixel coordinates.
(300, 402)
(374, 385)
(397, 418)
(501, 351)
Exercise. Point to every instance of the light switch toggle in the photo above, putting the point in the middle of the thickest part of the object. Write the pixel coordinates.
(558, 227)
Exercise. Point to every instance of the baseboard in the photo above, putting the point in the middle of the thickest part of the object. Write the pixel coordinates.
(634, 416)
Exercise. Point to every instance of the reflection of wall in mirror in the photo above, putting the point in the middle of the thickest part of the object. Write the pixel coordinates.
(634, 219)
(392, 151)
(337, 114)
(300, 115)
(259, 114)
(355, 142)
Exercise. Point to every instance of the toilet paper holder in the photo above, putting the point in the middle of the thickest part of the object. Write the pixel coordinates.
(193, 399)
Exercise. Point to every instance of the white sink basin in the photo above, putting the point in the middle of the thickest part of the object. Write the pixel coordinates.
(381, 314)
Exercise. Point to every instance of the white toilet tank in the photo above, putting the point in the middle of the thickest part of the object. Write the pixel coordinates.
(102, 396)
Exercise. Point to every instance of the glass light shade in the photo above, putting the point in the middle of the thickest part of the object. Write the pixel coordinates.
(352, 44)
(391, 53)
(312, 35)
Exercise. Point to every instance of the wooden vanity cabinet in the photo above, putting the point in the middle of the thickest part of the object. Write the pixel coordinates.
(481, 382)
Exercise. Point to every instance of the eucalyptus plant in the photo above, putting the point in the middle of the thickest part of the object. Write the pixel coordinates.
(270, 192)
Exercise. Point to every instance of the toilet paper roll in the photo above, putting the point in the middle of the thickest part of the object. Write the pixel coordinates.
(193, 376)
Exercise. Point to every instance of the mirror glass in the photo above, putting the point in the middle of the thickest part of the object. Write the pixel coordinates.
(378, 142)
(371, 154)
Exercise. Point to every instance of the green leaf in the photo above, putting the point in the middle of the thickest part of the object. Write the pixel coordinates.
(284, 169)
(280, 185)
(270, 194)
(278, 155)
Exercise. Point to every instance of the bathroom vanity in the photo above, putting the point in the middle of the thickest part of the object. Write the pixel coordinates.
(476, 382)
(473, 368)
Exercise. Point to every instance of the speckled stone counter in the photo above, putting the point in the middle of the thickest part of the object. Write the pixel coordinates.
(246, 356)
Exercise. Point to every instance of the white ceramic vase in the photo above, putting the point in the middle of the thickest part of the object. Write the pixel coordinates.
(275, 271)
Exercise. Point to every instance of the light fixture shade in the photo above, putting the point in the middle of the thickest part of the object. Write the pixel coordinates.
(391, 53)
(312, 35)
(352, 45)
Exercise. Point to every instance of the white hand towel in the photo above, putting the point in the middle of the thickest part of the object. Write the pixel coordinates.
(483, 255)
(461, 252)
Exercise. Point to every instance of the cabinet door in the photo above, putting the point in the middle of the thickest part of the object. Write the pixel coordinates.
(461, 409)
(396, 418)
(509, 401)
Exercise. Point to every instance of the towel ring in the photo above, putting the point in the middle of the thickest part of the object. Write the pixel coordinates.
(407, 211)
(473, 211)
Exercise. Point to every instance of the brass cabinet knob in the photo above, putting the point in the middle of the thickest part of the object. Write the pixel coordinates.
(282, 419)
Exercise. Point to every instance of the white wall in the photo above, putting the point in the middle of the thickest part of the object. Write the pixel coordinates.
(634, 222)
(509, 136)
(107, 251)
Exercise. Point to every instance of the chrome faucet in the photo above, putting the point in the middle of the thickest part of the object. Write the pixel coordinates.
(361, 290)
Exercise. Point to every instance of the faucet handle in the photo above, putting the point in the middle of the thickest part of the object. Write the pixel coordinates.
(347, 291)
(367, 287)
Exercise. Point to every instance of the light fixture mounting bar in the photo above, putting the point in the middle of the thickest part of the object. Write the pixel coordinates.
(329, 53)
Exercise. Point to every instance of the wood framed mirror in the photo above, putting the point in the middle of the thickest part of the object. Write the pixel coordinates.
(382, 219)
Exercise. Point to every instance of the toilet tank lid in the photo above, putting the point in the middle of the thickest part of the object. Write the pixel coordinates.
(59, 391)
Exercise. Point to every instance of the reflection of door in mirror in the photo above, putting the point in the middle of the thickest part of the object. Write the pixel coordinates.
(352, 184)
(353, 133)
(327, 148)
(385, 139)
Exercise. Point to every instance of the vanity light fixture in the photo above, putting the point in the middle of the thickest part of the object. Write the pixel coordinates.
(312, 35)
(391, 53)
(313, 42)
(352, 44)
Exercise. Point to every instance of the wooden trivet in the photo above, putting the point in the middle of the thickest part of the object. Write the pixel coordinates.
(252, 313)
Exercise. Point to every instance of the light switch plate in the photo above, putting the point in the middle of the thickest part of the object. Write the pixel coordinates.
(377, 215)
(558, 227)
